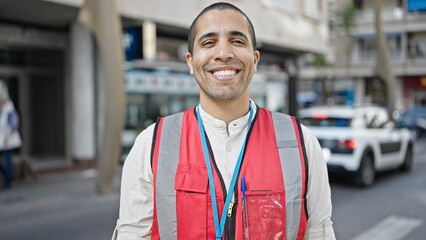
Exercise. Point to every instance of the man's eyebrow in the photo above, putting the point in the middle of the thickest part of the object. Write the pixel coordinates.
(207, 35)
(215, 34)
(238, 33)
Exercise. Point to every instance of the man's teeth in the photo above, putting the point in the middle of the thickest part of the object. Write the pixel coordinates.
(224, 73)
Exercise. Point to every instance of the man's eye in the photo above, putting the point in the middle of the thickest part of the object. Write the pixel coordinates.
(208, 43)
(238, 41)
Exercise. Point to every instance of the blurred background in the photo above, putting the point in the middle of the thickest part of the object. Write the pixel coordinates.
(313, 52)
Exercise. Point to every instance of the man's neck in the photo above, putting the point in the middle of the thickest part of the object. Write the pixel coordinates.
(226, 111)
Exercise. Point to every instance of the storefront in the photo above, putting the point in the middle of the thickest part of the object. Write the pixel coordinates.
(414, 91)
(35, 78)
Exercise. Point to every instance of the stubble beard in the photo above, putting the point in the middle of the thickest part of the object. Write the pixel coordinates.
(224, 92)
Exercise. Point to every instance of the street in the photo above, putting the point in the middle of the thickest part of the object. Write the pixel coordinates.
(393, 208)
(62, 206)
(66, 207)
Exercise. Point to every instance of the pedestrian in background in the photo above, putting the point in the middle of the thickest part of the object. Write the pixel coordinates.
(9, 134)
(190, 175)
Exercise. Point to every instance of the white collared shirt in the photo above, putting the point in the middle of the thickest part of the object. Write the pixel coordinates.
(136, 202)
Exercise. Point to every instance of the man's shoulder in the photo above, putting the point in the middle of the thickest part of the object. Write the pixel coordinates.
(145, 135)
(177, 115)
(307, 133)
(174, 116)
(171, 122)
(278, 115)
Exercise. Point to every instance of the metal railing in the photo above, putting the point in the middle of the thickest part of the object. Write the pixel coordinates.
(388, 14)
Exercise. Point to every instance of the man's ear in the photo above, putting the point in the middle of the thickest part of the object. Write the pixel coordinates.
(256, 59)
(189, 62)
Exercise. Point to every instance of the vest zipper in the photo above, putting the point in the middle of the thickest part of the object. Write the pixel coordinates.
(230, 209)
(230, 222)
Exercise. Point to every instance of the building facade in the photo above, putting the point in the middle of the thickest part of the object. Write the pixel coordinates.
(51, 65)
(352, 56)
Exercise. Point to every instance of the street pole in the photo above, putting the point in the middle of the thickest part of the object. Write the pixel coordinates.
(291, 68)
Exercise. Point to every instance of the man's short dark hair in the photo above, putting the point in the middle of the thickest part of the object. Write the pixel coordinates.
(218, 6)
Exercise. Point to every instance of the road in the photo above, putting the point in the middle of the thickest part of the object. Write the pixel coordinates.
(66, 207)
(61, 206)
(393, 208)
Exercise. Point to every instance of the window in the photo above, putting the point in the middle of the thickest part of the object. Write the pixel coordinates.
(368, 48)
(312, 8)
(417, 46)
(358, 4)
(376, 119)
(394, 45)
(326, 122)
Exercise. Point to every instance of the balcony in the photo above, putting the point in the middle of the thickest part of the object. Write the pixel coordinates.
(389, 14)
(402, 65)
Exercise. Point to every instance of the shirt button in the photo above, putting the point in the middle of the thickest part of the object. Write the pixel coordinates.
(228, 149)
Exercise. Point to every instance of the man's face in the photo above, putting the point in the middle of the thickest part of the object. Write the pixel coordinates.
(223, 60)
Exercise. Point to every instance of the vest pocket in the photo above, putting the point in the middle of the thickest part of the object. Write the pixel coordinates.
(191, 185)
(265, 214)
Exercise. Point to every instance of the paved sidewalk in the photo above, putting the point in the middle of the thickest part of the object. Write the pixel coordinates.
(59, 206)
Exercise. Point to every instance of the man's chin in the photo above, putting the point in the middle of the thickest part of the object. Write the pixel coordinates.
(224, 97)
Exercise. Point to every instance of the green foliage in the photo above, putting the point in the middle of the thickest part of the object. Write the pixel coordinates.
(348, 17)
(320, 61)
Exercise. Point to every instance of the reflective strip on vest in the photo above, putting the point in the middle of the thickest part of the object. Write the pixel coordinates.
(168, 159)
(292, 171)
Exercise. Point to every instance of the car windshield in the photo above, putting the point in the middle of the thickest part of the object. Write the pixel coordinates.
(326, 122)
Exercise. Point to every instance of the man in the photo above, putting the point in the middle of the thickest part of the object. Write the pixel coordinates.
(177, 176)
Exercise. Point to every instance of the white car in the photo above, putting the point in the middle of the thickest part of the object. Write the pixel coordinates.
(360, 140)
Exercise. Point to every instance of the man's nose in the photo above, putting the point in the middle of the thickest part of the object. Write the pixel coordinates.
(224, 51)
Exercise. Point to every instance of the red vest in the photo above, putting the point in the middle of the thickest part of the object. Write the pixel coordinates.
(274, 165)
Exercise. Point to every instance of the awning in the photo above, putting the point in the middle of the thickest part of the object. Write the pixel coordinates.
(416, 5)
(371, 36)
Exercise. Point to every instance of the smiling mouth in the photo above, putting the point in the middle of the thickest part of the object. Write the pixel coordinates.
(225, 73)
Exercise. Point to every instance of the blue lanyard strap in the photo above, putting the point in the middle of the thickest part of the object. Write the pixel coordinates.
(220, 226)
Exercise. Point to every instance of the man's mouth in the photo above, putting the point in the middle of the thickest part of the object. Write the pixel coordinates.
(224, 73)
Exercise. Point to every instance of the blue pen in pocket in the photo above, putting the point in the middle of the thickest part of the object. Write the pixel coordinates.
(243, 190)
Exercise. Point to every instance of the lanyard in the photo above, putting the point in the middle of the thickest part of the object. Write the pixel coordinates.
(220, 226)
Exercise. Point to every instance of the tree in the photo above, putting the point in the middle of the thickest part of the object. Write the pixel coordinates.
(325, 82)
(383, 67)
(101, 16)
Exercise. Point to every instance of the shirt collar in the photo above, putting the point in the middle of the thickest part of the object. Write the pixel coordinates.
(220, 124)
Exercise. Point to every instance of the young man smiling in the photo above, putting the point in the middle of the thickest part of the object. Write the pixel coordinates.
(182, 178)
(223, 61)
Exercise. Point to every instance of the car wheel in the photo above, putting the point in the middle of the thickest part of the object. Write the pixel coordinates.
(408, 160)
(366, 174)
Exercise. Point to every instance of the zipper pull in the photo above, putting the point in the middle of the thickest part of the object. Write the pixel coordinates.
(230, 209)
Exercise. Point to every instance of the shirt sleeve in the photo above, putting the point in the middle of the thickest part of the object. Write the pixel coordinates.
(318, 196)
(136, 200)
